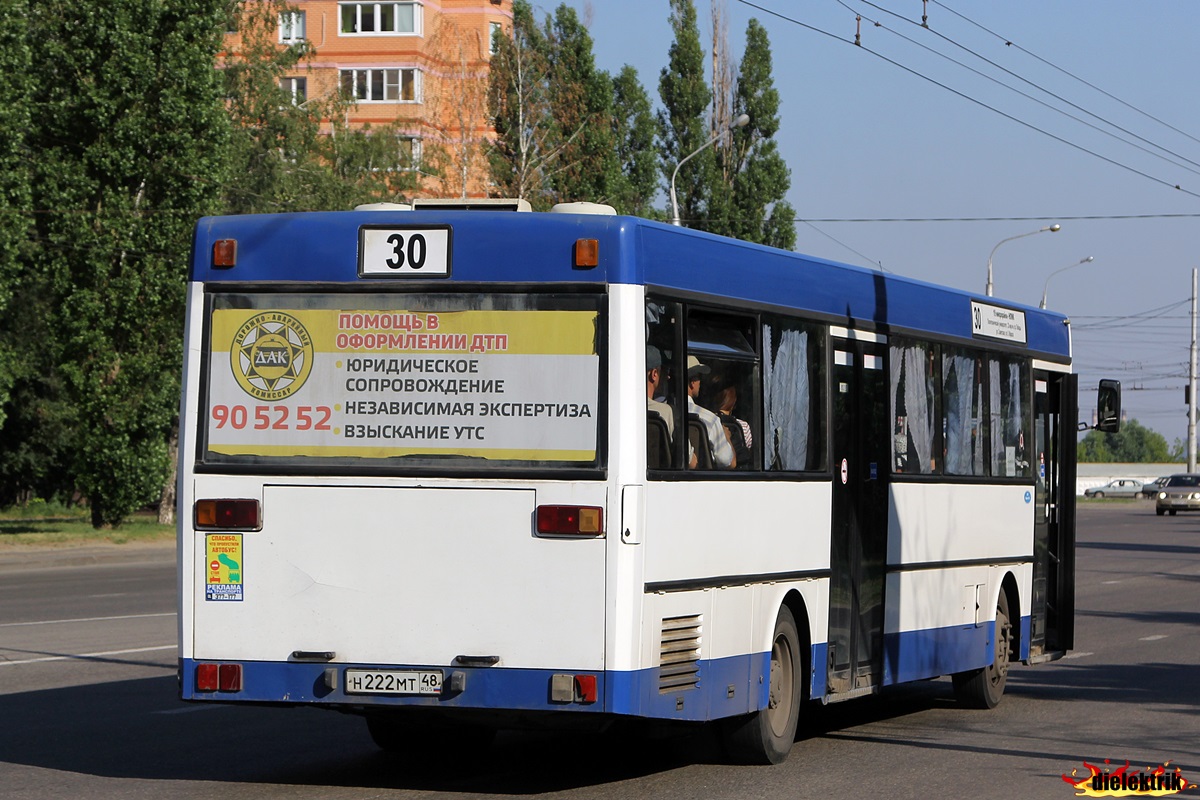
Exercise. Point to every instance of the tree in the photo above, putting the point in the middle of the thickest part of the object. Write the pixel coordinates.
(14, 172)
(1132, 444)
(457, 103)
(581, 109)
(751, 204)
(130, 131)
(681, 127)
(636, 185)
(519, 110)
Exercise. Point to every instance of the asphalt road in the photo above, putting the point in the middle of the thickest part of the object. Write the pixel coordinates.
(88, 704)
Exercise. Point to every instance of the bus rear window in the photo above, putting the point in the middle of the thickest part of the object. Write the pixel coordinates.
(427, 380)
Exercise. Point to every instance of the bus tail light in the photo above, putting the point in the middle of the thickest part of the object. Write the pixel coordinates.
(570, 520)
(218, 677)
(228, 515)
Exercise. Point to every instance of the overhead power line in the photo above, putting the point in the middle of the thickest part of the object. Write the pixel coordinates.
(976, 101)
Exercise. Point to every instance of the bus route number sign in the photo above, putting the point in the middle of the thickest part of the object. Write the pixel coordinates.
(403, 252)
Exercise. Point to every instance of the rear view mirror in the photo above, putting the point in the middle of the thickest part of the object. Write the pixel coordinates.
(1108, 406)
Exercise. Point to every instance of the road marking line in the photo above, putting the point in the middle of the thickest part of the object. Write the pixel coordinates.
(83, 619)
(86, 656)
(1077, 655)
(1154, 638)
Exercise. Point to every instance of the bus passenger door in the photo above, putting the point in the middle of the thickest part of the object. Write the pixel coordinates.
(858, 548)
(1052, 610)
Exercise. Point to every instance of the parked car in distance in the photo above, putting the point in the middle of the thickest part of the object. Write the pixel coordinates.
(1152, 488)
(1121, 487)
(1180, 493)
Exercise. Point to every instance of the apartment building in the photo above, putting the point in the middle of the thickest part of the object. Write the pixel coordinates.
(421, 64)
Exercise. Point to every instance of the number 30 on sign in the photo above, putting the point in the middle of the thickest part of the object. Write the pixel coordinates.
(400, 252)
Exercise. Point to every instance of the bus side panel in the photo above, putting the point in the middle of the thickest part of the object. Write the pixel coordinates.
(931, 523)
(940, 611)
(718, 565)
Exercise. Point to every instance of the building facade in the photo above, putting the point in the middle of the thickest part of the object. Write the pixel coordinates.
(415, 67)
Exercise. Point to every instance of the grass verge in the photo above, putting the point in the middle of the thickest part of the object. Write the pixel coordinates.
(62, 527)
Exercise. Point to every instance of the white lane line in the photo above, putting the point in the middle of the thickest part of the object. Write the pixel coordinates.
(86, 656)
(1153, 638)
(83, 619)
(1077, 655)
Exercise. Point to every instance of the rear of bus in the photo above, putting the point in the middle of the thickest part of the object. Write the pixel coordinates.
(393, 492)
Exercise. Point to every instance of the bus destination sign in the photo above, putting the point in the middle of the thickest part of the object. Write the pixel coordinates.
(995, 322)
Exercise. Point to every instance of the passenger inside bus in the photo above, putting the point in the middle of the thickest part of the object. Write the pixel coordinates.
(717, 438)
(653, 379)
(738, 430)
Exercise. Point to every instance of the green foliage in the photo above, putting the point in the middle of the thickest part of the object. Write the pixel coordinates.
(129, 129)
(634, 188)
(756, 208)
(519, 109)
(15, 198)
(681, 127)
(581, 111)
(1134, 443)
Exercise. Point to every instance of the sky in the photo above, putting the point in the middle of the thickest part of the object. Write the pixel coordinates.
(903, 160)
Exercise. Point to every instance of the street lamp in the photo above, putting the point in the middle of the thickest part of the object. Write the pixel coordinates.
(740, 122)
(1087, 260)
(1052, 228)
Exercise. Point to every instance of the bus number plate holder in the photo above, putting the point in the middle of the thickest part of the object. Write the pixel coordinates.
(393, 682)
(404, 252)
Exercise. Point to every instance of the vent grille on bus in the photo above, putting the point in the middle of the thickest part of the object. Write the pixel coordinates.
(679, 654)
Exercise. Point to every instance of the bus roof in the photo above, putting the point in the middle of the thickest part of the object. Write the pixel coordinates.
(531, 248)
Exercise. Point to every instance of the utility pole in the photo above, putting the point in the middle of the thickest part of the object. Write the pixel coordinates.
(1191, 440)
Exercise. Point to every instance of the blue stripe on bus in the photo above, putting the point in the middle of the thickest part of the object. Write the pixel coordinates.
(916, 655)
(511, 247)
(725, 687)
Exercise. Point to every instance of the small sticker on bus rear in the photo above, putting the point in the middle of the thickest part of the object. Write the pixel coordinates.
(223, 575)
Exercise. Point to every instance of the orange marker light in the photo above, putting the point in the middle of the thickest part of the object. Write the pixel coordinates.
(587, 253)
(224, 254)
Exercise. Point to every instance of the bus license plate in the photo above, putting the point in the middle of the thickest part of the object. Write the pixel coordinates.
(390, 681)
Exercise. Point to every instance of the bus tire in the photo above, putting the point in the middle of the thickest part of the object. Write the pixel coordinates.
(983, 688)
(394, 734)
(766, 736)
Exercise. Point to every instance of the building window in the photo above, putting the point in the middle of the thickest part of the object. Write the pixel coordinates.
(382, 85)
(380, 18)
(410, 153)
(494, 32)
(297, 88)
(291, 27)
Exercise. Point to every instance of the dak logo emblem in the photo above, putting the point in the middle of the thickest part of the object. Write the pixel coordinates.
(271, 356)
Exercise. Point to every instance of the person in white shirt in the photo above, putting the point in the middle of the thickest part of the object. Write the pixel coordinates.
(718, 439)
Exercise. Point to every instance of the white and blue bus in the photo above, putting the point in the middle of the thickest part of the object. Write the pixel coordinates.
(421, 479)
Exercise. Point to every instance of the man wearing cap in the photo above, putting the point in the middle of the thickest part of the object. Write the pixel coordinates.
(718, 439)
(653, 379)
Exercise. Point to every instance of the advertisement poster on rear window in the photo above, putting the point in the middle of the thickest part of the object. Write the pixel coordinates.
(364, 382)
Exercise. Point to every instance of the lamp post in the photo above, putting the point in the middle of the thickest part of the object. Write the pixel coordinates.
(1087, 260)
(1052, 228)
(740, 122)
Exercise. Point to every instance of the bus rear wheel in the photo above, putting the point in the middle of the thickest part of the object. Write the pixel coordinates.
(983, 688)
(766, 736)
